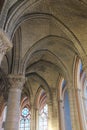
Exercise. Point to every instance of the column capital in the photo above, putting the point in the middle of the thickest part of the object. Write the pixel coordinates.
(16, 81)
(5, 43)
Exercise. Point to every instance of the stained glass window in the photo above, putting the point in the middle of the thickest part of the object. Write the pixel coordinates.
(25, 119)
(43, 118)
(85, 97)
(67, 112)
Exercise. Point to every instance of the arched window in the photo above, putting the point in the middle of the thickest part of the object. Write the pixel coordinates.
(43, 118)
(67, 112)
(25, 119)
(85, 98)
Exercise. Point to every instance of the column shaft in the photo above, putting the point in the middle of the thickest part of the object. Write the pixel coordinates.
(37, 119)
(55, 116)
(32, 118)
(13, 106)
(73, 109)
(61, 115)
(50, 116)
(13, 110)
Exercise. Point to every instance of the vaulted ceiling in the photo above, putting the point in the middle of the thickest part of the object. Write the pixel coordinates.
(47, 35)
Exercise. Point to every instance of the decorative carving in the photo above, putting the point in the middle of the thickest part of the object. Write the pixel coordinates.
(3, 47)
(5, 43)
(16, 81)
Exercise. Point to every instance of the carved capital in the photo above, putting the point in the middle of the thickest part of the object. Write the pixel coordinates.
(16, 81)
(5, 43)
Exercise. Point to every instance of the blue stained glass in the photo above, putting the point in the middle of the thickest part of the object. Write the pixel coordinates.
(25, 119)
(25, 112)
(63, 84)
(68, 125)
(22, 121)
(81, 68)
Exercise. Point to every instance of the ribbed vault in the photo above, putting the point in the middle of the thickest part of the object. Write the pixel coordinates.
(47, 35)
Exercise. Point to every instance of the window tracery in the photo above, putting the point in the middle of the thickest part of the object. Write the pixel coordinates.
(25, 119)
(43, 118)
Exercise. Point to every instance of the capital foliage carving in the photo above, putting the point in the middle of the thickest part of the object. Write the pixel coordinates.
(5, 43)
(16, 81)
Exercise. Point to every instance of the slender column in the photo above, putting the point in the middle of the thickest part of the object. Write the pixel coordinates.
(50, 116)
(73, 107)
(61, 114)
(37, 119)
(5, 45)
(32, 117)
(83, 123)
(55, 116)
(13, 106)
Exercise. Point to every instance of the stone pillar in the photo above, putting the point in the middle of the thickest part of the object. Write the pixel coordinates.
(37, 119)
(55, 116)
(13, 106)
(83, 122)
(49, 116)
(5, 45)
(32, 124)
(61, 115)
(73, 107)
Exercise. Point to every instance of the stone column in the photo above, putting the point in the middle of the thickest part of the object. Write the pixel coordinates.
(61, 115)
(37, 119)
(83, 123)
(32, 124)
(55, 116)
(49, 115)
(13, 106)
(5, 45)
(73, 107)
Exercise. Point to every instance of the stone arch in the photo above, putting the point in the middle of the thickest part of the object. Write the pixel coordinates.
(38, 94)
(77, 68)
(33, 51)
(25, 17)
(78, 76)
(42, 82)
(24, 102)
